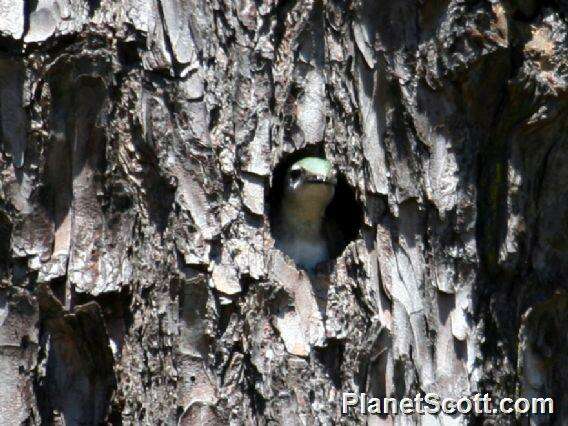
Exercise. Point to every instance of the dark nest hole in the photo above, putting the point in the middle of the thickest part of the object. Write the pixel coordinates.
(344, 212)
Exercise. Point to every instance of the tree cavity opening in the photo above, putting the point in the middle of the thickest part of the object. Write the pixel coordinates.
(343, 216)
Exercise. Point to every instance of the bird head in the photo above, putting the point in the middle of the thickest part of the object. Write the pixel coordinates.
(310, 182)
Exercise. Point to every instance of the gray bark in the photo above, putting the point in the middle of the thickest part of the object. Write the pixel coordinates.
(138, 144)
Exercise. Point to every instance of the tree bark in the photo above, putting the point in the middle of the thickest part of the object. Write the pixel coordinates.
(139, 142)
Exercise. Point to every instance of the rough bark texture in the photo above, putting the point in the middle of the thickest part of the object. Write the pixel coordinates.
(138, 145)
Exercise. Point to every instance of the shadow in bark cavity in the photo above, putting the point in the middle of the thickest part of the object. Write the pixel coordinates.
(5, 234)
(128, 53)
(116, 309)
(331, 357)
(79, 379)
(93, 5)
(13, 117)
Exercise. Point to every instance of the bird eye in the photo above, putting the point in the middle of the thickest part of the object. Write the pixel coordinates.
(295, 174)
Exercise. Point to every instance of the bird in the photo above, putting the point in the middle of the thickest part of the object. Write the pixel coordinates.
(309, 187)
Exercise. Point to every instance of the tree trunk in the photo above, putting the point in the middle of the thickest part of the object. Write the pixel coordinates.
(139, 144)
